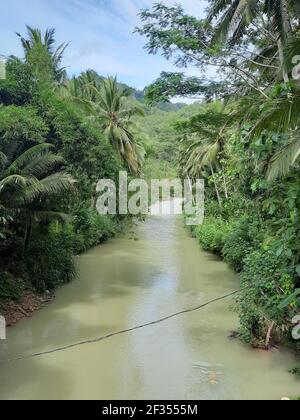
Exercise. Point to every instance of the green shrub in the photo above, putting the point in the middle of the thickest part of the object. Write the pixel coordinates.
(49, 258)
(269, 281)
(18, 86)
(10, 288)
(91, 229)
(212, 234)
(21, 125)
(239, 243)
(232, 208)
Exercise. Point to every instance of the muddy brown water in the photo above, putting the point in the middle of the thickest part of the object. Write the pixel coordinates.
(129, 281)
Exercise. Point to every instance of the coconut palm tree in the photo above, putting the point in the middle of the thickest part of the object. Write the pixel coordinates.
(115, 112)
(279, 115)
(282, 116)
(83, 89)
(202, 160)
(238, 15)
(108, 102)
(203, 146)
(235, 17)
(27, 180)
(36, 39)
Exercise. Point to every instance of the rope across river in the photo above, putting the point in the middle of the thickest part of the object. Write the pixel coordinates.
(125, 331)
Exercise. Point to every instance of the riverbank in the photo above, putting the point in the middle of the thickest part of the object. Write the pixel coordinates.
(237, 243)
(29, 303)
(27, 300)
(128, 281)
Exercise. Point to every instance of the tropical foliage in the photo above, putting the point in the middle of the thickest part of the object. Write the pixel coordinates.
(36, 43)
(110, 105)
(58, 137)
(244, 142)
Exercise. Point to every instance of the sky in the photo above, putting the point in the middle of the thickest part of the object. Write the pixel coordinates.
(100, 33)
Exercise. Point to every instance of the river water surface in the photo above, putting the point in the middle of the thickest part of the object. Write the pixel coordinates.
(129, 281)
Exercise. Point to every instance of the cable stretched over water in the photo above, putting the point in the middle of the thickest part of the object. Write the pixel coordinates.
(125, 331)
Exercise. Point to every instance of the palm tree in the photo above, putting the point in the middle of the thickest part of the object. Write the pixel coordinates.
(202, 159)
(82, 90)
(46, 41)
(200, 155)
(109, 103)
(282, 116)
(278, 115)
(27, 180)
(87, 85)
(115, 113)
(238, 15)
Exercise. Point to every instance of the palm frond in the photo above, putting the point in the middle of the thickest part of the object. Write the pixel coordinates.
(285, 159)
(52, 185)
(15, 181)
(28, 156)
(43, 165)
(218, 7)
(279, 115)
(237, 16)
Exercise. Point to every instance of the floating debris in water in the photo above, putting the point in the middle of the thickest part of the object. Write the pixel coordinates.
(210, 371)
(234, 335)
(213, 378)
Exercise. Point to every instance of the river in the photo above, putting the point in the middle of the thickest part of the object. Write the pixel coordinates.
(142, 276)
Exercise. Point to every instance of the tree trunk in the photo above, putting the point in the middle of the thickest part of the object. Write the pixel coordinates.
(191, 188)
(218, 195)
(286, 21)
(285, 36)
(216, 188)
(282, 61)
(225, 187)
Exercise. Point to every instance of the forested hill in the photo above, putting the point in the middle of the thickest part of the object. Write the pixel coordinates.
(140, 96)
(159, 136)
(157, 133)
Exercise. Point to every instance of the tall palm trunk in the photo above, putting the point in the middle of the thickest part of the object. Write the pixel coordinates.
(286, 20)
(282, 61)
(285, 36)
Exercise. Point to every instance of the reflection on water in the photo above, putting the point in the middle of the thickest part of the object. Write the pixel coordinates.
(128, 282)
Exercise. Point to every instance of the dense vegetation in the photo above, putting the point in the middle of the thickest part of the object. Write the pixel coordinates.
(58, 137)
(157, 132)
(244, 141)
